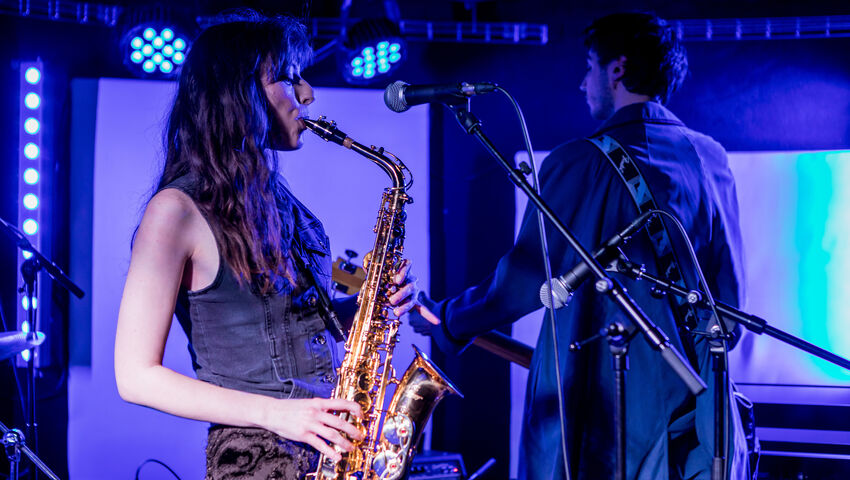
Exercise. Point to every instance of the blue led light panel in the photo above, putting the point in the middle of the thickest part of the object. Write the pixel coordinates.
(31, 171)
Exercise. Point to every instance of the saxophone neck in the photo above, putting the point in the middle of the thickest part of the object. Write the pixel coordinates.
(389, 163)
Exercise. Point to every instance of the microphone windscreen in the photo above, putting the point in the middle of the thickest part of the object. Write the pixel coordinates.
(394, 96)
(560, 294)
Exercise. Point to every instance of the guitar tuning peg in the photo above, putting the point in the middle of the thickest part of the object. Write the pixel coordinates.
(351, 254)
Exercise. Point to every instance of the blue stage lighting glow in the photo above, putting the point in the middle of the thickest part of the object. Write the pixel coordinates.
(369, 43)
(25, 355)
(155, 43)
(31, 126)
(395, 57)
(31, 151)
(30, 226)
(31, 176)
(30, 201)
(25, 325)
(33, 75)
(26, 254)
(32, 100)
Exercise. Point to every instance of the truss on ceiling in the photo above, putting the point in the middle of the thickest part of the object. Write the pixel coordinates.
(517, 33)
(84, 13)
(89, 13)
(764, 28)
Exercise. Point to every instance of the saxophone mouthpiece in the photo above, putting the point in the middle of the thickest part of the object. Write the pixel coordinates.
(327, 131)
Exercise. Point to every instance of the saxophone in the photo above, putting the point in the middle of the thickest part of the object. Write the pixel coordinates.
(391, 434)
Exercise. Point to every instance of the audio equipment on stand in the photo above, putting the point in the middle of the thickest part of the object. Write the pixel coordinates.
(433, 465)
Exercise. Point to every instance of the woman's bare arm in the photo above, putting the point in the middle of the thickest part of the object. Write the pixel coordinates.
(167, 238)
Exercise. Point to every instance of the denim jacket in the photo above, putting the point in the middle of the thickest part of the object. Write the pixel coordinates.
(272, 344)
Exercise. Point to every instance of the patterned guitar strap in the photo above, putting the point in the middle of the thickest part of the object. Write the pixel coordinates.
(668, 266)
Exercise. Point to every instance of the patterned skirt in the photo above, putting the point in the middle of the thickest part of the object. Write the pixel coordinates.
(235, 453)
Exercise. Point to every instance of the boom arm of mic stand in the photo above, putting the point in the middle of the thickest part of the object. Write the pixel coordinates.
(657, 340)
(52, 269)
(751, 322)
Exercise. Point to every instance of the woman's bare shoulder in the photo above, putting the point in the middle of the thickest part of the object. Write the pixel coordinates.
(171, 218)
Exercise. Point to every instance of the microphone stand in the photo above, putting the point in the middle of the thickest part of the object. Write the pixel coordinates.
(604, 283)
(717, 347)
(13, 442)
(618, 344)
(753, 323)
(29, 271)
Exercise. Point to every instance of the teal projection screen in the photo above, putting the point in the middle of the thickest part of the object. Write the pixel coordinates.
(795, 219)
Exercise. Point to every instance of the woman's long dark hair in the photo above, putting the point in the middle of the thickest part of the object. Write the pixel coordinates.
(217, 132)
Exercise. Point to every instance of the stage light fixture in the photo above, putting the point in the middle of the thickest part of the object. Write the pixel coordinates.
(32, 75)
(31, 176)
(31, 150)
(31, 126)
(30, 201)
(31, 161)
(151, 47)
(32, 100)
(30, 226)
(372, 50)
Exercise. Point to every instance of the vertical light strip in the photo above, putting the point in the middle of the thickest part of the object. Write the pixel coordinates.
(31, 177)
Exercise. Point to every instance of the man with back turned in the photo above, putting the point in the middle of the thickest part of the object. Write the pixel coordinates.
(634, 64)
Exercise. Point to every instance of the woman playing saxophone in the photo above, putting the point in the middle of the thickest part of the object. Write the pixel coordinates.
(225, 245)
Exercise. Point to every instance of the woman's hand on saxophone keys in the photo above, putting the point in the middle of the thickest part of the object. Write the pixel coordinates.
(313, 421)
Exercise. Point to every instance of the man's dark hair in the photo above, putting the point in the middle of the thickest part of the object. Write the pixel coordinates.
(656, 62)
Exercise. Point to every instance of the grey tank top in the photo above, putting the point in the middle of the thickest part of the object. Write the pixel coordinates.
(274, 344)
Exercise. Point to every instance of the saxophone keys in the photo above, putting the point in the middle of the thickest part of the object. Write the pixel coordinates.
(398, 430)
(388, 465)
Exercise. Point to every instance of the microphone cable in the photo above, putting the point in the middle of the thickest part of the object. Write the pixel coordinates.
(544, 247)
(724, 333)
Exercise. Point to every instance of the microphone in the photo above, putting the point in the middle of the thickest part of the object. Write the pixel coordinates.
(564, 286)
(400, 96)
